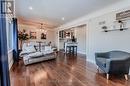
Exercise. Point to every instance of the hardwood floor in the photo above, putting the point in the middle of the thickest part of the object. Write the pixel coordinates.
(66, 70)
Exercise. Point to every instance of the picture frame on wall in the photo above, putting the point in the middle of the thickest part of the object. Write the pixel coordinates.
(33, 35)
(43, 36)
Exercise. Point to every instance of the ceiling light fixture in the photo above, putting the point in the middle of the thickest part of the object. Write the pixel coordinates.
(42, 29)
(30, 8)
(41, 26)
(63, 18)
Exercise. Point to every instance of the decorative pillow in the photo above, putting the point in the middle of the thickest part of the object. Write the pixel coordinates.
(36, 54)
(24, 46)
(30, 49)
(48, 48)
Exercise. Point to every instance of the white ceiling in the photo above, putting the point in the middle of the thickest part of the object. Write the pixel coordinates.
(52, 11)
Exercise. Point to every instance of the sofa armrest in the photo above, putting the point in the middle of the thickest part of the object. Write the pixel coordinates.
(117, 64)
(110, 62)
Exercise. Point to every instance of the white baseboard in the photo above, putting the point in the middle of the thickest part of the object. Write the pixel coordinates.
(91, 61)
(81, 52)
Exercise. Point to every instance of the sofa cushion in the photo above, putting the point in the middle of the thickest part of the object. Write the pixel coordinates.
(47, 52)
(101, 61)
(36, 54)
(25, 53)
(28, 60)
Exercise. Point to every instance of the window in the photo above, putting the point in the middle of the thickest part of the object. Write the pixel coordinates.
(9, 35)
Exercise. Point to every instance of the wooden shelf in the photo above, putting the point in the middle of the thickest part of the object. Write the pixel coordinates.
(122, 29)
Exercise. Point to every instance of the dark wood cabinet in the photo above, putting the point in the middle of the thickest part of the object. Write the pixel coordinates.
(65, 34)
(62, 34)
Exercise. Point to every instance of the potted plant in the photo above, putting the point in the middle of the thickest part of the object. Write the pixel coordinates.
(23, 36)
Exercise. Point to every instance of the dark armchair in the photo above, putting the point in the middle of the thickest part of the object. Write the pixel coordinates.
(114, 62)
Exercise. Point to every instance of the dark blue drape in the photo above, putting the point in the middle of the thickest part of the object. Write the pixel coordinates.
(15, 40)
(4, 69)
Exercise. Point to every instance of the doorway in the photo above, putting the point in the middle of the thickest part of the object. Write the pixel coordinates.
(79, 32)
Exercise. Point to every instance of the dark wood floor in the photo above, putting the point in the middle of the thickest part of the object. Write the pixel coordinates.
(66, 70)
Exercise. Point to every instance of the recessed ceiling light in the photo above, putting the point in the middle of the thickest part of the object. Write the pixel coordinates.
(63, 18)
(30, 8)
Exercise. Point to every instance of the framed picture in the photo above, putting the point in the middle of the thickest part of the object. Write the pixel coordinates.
(43, 36)
(33, 35)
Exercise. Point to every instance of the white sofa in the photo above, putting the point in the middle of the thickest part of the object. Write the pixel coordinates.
(30, 60)
(30, 55)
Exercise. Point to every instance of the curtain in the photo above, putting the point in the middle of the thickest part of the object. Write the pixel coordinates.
(4, 69)
(15, 40)
(0, 79)
(4, 54)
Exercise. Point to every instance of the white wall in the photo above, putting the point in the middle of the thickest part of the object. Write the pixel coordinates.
(50, 33)
(101, 42)
(56, 38)
(80, 33)
(98, 41)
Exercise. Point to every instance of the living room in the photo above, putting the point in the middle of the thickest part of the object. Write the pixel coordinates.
(58, 45)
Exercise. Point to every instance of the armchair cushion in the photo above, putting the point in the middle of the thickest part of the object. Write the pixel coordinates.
(118, 54)
(113, 61)
(101, 61)
(102, 55)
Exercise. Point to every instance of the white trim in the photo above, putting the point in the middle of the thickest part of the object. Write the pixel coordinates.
(9, 51)
(91, 61)
(81, 52)
(11, 64)
(10, 58)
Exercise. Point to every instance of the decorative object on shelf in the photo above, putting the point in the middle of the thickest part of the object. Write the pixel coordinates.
(67, 35)
(61, 34)
(122, 29)
(23, 36)
(105, 28)
(74, 39)
(119, 25)
(33, 35)
(102, 22)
